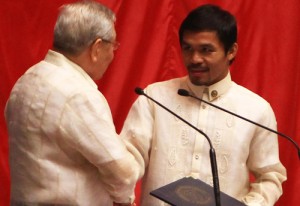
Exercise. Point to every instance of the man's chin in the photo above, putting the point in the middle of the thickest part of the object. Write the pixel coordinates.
(197, 81)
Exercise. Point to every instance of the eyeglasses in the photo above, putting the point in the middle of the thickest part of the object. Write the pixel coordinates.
(115, 44)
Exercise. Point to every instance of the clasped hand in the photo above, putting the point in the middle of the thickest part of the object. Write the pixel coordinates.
(124, 204)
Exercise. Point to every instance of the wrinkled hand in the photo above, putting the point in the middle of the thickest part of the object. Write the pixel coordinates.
(124, 204)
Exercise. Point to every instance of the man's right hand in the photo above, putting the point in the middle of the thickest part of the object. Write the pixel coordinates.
(124, 204)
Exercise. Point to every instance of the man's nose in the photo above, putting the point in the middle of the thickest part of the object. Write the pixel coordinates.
(196, 57)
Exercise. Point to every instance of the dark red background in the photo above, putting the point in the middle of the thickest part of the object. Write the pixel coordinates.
(267, 61)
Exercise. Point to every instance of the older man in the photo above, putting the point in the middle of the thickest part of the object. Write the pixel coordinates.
(64, 149)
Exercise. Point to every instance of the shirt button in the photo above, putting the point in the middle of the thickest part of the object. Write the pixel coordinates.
(203, 106)
(214, 93)
(196, 157)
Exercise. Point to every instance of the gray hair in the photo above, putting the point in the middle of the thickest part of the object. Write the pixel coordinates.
(81, 23)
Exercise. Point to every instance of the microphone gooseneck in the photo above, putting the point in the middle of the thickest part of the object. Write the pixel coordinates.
(141, 92)
(212, 153)
(185, 93)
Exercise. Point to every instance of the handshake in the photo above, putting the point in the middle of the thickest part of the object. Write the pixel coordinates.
(124, 204)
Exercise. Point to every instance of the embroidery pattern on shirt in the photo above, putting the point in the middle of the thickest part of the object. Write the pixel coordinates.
(217, 140)
(230, 121)
(223, 163)
(172, 156)
(184, 137)
(178, 111)
(218, 144)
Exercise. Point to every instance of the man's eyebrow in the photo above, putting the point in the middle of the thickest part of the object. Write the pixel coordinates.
(198, 45)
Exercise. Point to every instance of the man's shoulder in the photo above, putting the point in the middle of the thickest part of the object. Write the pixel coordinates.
(169, 84)
(248, 96)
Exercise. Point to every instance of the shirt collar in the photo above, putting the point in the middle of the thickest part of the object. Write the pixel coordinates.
(213, 91)
(60, 60)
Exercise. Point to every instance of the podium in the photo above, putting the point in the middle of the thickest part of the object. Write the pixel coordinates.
(192, 192)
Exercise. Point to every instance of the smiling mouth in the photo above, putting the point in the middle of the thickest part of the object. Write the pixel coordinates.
(198, 71)
(197, 68)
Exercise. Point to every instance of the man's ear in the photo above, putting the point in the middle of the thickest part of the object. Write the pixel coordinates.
(232, 52)
(95, 49)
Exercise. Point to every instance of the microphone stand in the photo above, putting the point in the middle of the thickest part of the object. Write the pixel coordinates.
(212, 153)
(183, 92)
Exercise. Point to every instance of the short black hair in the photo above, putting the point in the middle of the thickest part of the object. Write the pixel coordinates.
(210, 17)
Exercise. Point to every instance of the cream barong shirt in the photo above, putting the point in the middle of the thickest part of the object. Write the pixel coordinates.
(173, 150)
(63, 145)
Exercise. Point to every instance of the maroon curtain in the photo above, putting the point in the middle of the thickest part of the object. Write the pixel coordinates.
(267, 61)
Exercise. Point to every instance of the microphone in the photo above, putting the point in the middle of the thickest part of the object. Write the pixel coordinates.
(185, 93)
(213, 159)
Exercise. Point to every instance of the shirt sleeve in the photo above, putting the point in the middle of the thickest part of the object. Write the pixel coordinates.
(87, 126)
(137, 130)
(265, 165)
(266, 190)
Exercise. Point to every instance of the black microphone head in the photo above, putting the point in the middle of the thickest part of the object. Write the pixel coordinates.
(183, 92)
(139, 91)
